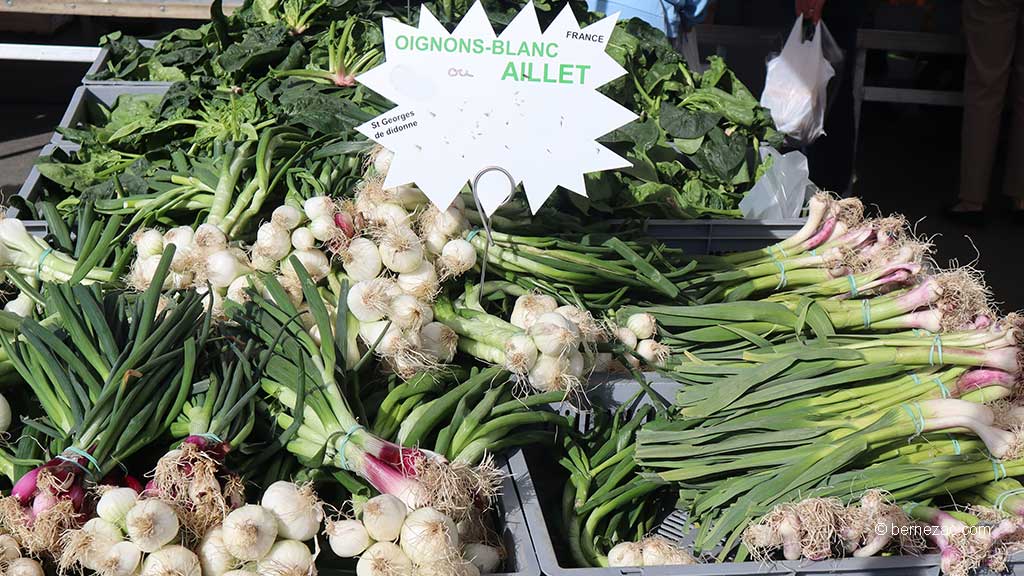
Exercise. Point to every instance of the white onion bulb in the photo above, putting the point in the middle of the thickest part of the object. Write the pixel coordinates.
(286, 217)
(120, 559)
(529, 307)
(286, 558)
(401, 250)
(318, 206)
(361, 260)
(249, 532)
(297, 509)
(409, 313)
(209, 238)
(214, 556)
(429, 536)
(553, 334)
(222, 267)
(25, 567)
(440, 341)
(302, 238)
(172, 561)
(148, 242)
(626, 336)
(369, 300)
(9, 548)
(485, 558)
(457, 257)
(324, 229)
(520, 354)
(348, 538)
(421, 282)
(272, 241)
(384, 559)
(313, 261)
(643, 325)
(383, 517)
(151, 524)
(382, 160)
(5, 414)
(626, 554)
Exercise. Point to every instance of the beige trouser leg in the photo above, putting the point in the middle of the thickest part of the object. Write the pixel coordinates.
(990, 27)
(1013, 184)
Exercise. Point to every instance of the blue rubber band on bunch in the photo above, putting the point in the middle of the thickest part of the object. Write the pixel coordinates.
(936, 345)
(956, 444)
(472, 233)
(813, 252)
(865, 309)
(344, 441)
(81, 453)
(917, 418)
(915, 378)
(853, 285)
(1006, 495)
(780, 249)
(942, 386)
(210, 436)
(782, 272)
(42, 258)
(997, 469)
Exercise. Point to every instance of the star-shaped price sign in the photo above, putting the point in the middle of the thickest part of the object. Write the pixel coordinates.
(469, 100)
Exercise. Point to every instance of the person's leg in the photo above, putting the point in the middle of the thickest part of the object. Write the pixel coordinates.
(1013, 183)
(831, 157)
(990, 28)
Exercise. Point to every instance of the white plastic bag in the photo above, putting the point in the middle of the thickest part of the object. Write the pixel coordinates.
(782, 191)
(796, 89)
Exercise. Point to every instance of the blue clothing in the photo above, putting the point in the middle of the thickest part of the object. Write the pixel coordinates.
(662, 14)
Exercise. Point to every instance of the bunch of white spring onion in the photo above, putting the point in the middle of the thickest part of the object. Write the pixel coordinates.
(640, 335)
(651, 551)
(32, 257)
(552, 347)
(392, 541)
(403, 248)
(557, 348)
(204, 257)
(125, 528)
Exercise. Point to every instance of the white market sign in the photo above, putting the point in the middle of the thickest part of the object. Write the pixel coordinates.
(468, 100)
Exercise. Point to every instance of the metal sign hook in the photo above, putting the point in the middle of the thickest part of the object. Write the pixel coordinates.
(485, 220)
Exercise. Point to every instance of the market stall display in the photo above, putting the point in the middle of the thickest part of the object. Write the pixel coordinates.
(238, 351)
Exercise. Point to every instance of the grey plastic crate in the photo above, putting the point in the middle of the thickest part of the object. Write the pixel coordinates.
(101, 62)
(32, 187)
(521, 559)
(86, 98)
(612, 391)
(721, 236)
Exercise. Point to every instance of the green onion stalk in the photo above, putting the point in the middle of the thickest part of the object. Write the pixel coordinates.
(111, 375)
(798, 470)
(607, 498)
(773, 416)
(230, 187)
(213, 423)
(32, 257)
(477, 417)
(317, 400)
(582, 271)
(1005, 496)
(343, 61)
(948, 301)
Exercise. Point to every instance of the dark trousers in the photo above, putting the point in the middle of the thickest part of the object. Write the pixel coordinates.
(993, 79)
